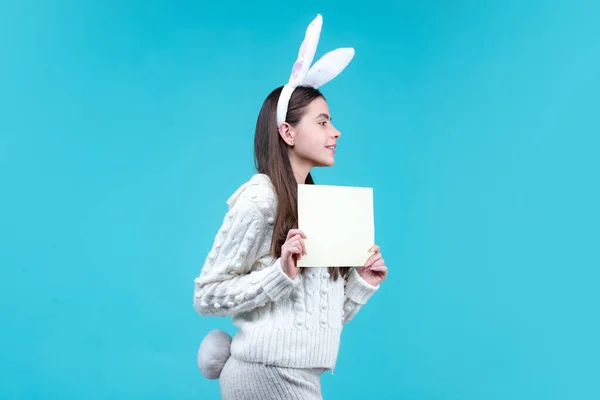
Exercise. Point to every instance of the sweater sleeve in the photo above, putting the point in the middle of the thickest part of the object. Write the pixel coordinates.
(228, 283)
(356, 293)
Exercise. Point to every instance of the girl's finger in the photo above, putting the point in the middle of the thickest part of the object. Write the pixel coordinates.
(300, 240)
(380, 268)
(294, 238)
(294, 232)
(375, 248)
(379, 262)
(299, 252)
(373, 259)
(296, 250)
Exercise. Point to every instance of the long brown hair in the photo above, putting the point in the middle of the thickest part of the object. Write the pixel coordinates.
(271, 158)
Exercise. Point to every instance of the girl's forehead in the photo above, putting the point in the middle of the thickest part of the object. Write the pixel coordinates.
(318, 106)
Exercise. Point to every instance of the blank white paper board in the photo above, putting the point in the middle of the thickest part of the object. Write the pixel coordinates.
(339, 224)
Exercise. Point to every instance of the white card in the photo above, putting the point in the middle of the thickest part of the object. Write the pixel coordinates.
(339, 225)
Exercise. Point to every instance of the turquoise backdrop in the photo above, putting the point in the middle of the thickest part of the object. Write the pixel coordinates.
(124, 127)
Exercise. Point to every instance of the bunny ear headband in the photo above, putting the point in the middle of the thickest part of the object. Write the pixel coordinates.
(324, 70)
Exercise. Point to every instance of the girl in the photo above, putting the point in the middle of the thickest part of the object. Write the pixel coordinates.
(290, 319)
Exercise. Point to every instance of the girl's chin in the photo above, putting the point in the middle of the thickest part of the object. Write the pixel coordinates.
(326, 163)
(323, 161)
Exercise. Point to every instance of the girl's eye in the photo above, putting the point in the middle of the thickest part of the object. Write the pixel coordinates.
(323, 123)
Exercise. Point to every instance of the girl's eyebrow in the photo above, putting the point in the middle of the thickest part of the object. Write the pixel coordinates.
(324, 116)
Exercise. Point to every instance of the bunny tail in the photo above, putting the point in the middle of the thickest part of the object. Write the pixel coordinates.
(213, 353)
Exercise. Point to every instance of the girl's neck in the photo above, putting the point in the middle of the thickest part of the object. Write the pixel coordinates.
(300, 169)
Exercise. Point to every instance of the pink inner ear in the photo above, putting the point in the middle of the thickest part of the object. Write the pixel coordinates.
(302, 49)
(298, 64)
(311, 35)
(296, 69)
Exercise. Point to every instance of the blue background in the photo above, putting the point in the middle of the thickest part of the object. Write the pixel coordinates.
(124, 127)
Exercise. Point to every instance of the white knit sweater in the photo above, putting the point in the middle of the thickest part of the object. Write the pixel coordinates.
(284, 322)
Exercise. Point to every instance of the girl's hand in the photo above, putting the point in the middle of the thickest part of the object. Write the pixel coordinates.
(292, 250)
(374, 271)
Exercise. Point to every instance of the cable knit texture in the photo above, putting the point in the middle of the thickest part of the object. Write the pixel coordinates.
(284, 322)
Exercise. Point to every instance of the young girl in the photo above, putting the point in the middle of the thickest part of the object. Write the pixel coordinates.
(290, 319)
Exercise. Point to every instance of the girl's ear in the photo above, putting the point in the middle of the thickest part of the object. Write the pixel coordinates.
(286, 133)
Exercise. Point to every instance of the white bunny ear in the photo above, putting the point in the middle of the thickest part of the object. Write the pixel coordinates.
(328, 67)
(307, 51)
(306, 54)
(324, 70)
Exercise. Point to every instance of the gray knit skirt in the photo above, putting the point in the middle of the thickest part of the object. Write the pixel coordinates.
(241, 380)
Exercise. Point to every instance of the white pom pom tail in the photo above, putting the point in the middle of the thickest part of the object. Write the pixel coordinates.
(213, 353)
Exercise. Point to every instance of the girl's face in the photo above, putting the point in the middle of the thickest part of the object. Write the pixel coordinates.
(315, 137)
